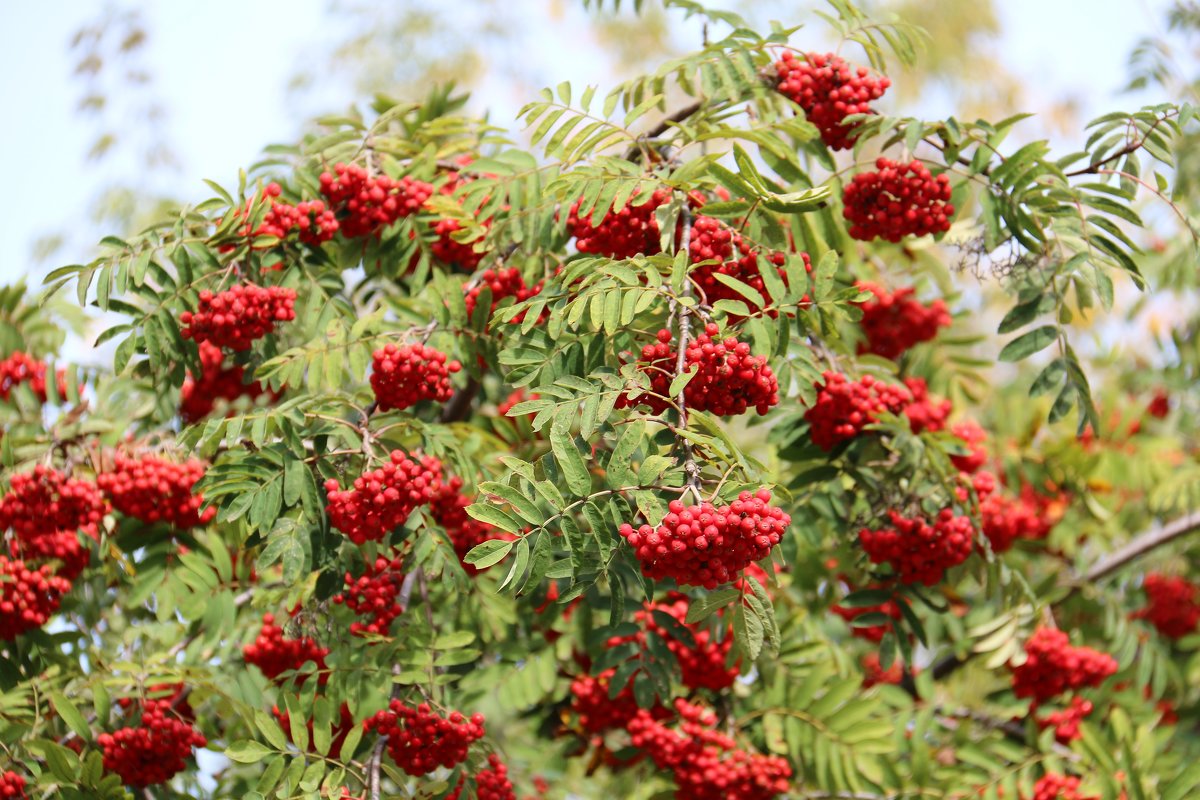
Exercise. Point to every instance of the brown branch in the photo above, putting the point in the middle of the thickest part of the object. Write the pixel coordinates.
(658, 130)
(1132, 147)
(373, 768)
(459, 407)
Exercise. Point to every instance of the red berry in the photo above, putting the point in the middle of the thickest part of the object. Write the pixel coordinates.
(199, 396)
(895, 321)
(1053, 667)
(274, 655)
(829, 90)
(374, 595)
(404, 375)
(420, 741)
(1172, 605)
(154, 751)
(382, 499)
(237, 317)
(28, 596)
(896, 201)
(843, 408)
(154, 490)
(917, 551)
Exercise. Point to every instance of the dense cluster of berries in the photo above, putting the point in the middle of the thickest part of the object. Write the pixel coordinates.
(1067, 721)
(491, 783)
(707, 764)
(28, 596)
(239, 316)
(21, 367)
(366, 205)
(620, 234)
(1171, 605)
(449, 509)
(1006, 519)
(895, 321)
(502, 283)
(829, 90)
(153, 489)
(706, 545)
(274, 654)
(153, 752)
(216, 382)
(420, 741)
(728, 380)
(374, 595)
(896, 201)
(974, 439)
(1053, 667)
(844, 407)
(44, 509)
(404, 375)
(874, 674)
(12, 786)
(925, 412)
(175, 695)
(1160, 405)
(872, 633)
(381, 500)
(448, 250)
(702, 664)
(918, 551)
(311, 219)
(595, 709)
(710, 240)
(1059, 787)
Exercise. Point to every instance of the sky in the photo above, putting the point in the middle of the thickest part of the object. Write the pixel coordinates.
(223, 75)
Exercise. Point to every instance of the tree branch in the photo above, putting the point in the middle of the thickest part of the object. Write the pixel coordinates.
(459, 407)
(661, 128)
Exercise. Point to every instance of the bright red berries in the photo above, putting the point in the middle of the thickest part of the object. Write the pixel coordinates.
(1067, 721)
(925, 412)
(829, 90)
(374, 595)
(895, 321)
(366, 205)
(404, 375)
(449, 509)
(874, 674)
(843, 408)
(28, 596)
(420, 741)
(1059, 787)
(21, 367)
(918, 551)
(490, 784)
(274, 654)
(896, 201)
(502, 283)
(620, 234)
(199, 396)
(974, 439)
(381, 500)
(12, 786)
(702, 663)
(728, 379)
(153, 490)
(711, 239)
(239, 316)
(154, 751)
(594, 706)
(1006, 519)
(44, 509)
(1053, 667)
(707, 764)
(706, 545)
(1172, 605)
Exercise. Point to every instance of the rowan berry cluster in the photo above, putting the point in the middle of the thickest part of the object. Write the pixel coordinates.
(711, 239)
(1067, 721)
(153, 490)
(1007, 519)
(517, 397)
(404, 375)
(449, 509)
(199, 395)
(1160, 405)
(365, 205)
(275, 654)
(154, 751)
(381, 500)
(12, 786)
(374, 595)
(491, 783)
(502, 283)
(844, 407)
(896, 201)
(1053, 667)
(594, 707)
(707, 764)
(239, 316)
(872, 633)
(829, 90)
(706, 545)
(29, 596)
(974, 438)
(1059, 787)
(874, 673)
(311, 219)
(620, 234)
(21, 367)
(895, 321)
(450, 251)
(728, 380)
(702, 664)
(1171, 605)
(925, 412)
(45, 501)
(918, 551)
(420, 741)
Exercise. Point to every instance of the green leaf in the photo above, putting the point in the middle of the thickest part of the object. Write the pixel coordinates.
(701, 608)
(247, 751)
(70, 714)
(579, 480)
(1029, 343)
(521, 504)
(489, 553)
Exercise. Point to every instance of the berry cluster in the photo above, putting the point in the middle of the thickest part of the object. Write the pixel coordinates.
(518, 396)
(925, 412)
(449, 509)
(702, 665)
(710, 240)
(974, 439)
(381, 500)
(366, 205)
(448, 250)
(705, 545)
(707, 764)
(895, 321)
(1053, 667)
(154, 490)
(872, 633)
(1067, 721)
(12, 786)
(153, 752)
(313, 222)
(239, 316)
(420, 741)
(1160, 405)
(374, 595)
(1172, 605)
(595, 708)
(896, 201)
(620, 234)
(829, 90)
(200, 395)
(174, 695)
(45, 501)
(490, 784)
(1006, 519)
(404, 375)
(21, 367)
(917, 551)
(1059, 787)
(843, 407)
(874, 673)
(275, 655)
(28, 596)
(502, 283)
(728, 380)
